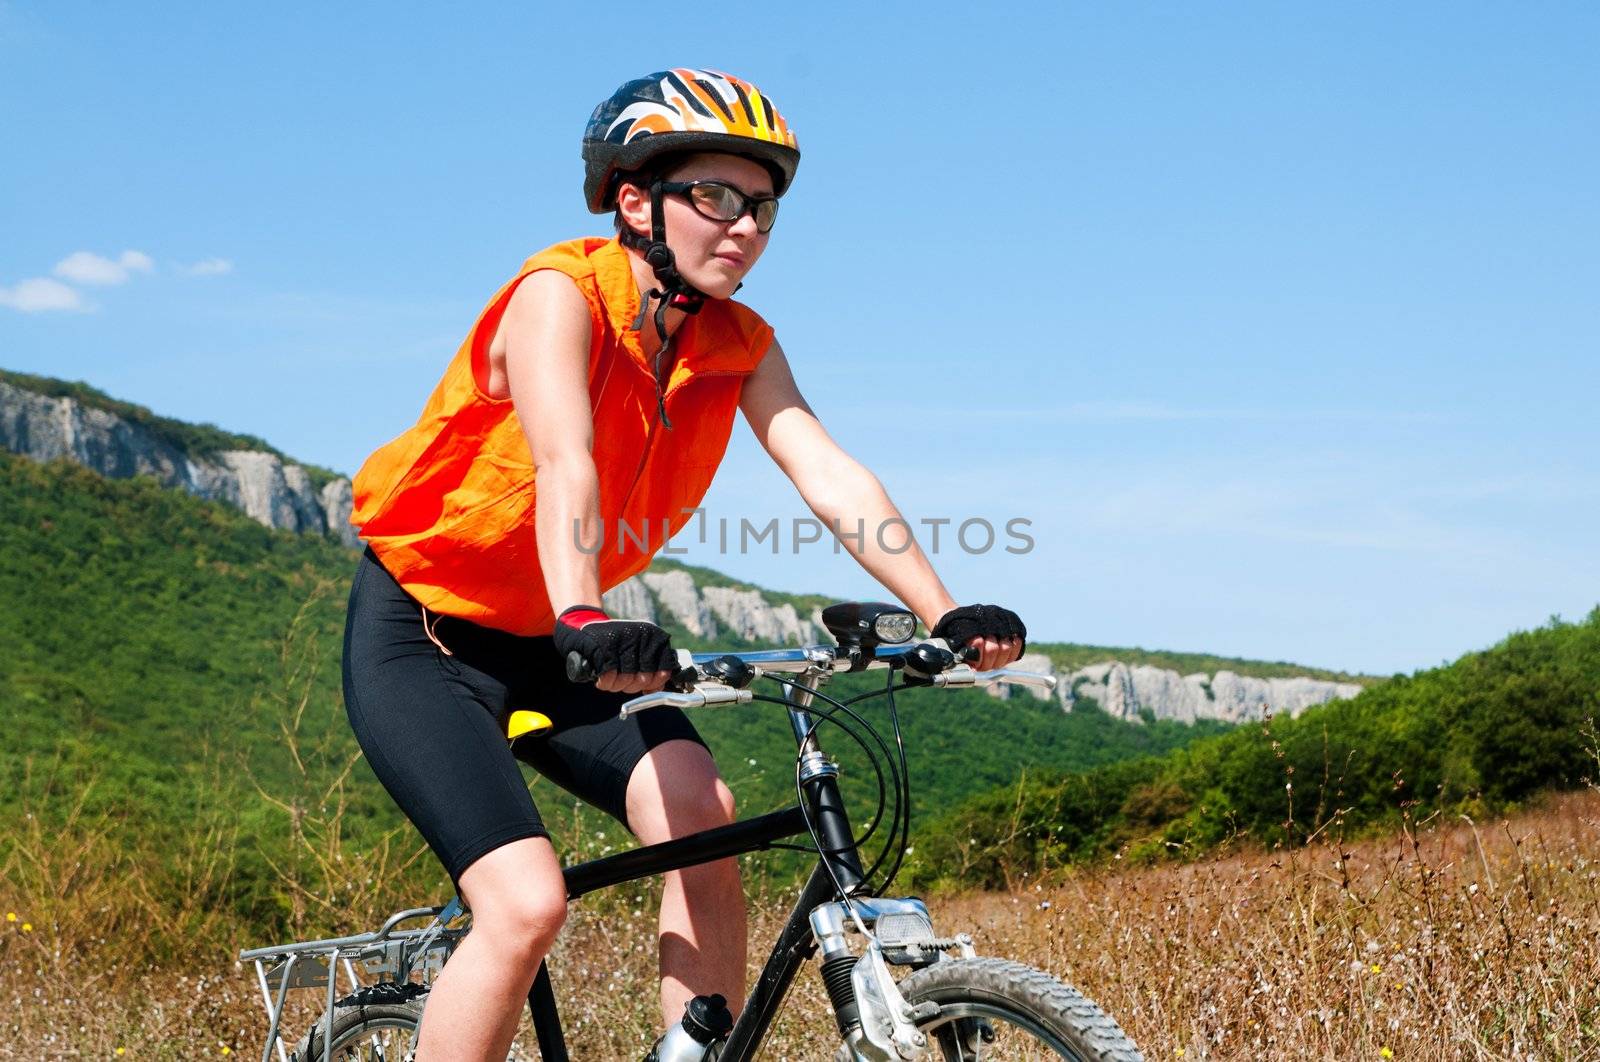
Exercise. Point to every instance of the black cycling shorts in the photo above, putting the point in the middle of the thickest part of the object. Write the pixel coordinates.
(432, 724)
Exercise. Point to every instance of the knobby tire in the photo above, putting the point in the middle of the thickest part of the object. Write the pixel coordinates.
(1029, 1014)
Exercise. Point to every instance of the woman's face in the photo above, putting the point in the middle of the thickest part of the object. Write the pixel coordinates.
(714, 255)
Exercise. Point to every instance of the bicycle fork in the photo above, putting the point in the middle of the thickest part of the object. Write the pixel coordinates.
(877, 1023)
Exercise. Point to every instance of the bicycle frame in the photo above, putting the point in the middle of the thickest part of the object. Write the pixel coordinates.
(795, 943)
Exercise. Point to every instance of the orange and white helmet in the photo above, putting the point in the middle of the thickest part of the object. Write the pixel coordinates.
(683, 110)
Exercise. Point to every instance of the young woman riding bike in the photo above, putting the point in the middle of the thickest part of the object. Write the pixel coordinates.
(601, 380)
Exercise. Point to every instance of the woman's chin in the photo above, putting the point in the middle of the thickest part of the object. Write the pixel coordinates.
(718, 287)
(719, 277)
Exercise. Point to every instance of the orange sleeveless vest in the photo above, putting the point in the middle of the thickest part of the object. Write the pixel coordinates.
(448, 506)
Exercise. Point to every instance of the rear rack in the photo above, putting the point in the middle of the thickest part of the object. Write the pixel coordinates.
(387, 954)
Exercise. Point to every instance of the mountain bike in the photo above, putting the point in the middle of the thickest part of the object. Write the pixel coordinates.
(898, 989)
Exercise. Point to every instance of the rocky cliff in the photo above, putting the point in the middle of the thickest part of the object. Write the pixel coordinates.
(1121, 690)
(1127, 692)
(269, 489)
(282, 494)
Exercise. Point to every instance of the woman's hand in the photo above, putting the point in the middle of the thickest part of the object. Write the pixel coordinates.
(625, 656)
(997, 633)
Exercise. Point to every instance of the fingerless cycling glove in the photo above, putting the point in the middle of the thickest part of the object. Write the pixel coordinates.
(605, 644)
(960, 625)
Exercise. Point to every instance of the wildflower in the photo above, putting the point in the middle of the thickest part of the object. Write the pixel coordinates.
(1376, 968)
(1385, 1052)
(11, 916)
(27, 927)
(122, 1050)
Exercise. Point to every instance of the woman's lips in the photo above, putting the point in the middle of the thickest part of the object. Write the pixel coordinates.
(731, 258)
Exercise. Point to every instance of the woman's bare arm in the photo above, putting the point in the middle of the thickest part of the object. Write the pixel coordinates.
(546, 331)
(839, 489)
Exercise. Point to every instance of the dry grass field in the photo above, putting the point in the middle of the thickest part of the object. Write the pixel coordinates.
(1451, 940)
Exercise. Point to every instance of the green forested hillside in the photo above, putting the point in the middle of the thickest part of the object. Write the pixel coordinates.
(1486, 732)
(172, 667)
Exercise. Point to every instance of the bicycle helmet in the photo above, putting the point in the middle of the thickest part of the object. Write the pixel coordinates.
(670, 112)
(682, 110)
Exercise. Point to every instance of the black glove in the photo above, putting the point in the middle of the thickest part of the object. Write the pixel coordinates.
(594, 643)
(960, 625)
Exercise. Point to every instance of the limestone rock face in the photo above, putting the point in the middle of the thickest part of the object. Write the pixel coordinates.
(268, 489)
(747, 614)
(337, 501)
(630, 600)
(1123, 691)
(711, 612)
(681, 600)
(46, 428)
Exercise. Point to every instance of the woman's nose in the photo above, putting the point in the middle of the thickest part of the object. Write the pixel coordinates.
(744, 225)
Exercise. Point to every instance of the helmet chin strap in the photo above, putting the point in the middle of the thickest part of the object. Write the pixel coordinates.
(673, 291)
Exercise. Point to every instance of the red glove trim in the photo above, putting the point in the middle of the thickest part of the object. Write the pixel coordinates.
(578, 616)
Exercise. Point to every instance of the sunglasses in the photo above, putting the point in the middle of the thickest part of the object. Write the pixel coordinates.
(723, 202)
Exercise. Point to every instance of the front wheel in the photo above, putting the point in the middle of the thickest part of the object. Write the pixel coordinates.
(1003, 1010)
(383, 1031)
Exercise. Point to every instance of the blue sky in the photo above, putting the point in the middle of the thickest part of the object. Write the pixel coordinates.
(1279, 322)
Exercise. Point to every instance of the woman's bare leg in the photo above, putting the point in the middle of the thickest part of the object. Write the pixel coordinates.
(675, 790)
(518, 904)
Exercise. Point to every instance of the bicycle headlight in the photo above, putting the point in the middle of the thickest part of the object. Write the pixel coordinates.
(892, 628)
(865, 624)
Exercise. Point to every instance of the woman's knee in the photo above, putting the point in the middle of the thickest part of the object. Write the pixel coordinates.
(517, 896)
(696, 799)
(703, 806)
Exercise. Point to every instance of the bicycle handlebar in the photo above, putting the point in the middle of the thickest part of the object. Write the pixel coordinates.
(699, 673)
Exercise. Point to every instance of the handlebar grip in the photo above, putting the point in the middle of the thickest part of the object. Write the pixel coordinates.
(578, 670)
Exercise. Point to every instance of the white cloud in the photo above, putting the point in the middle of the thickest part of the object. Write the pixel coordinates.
(42, 294)
(86, 267)
(209, 267)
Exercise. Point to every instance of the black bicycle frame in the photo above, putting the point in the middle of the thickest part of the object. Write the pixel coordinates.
(838, 865)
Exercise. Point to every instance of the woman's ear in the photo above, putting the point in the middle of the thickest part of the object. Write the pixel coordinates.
(633, 207)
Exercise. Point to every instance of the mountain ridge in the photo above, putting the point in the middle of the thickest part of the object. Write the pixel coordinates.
(48, 419)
